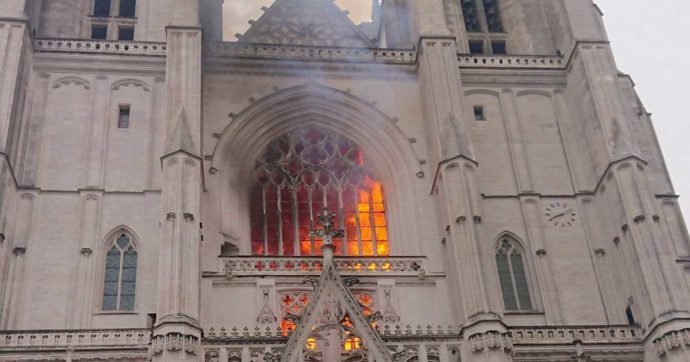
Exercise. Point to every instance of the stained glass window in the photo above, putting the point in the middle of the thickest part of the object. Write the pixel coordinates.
(513, 276)
(120, 275)
(298, 175)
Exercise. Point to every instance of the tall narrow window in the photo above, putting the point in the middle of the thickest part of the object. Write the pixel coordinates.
(513, 276)
(298, 175)
(471, 16)
(123, 117)
(120, 275)
(101, 8)
(128, 8)
(493, 16)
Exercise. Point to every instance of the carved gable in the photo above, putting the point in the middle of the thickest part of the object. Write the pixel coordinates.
(306, 22)
(333, 328)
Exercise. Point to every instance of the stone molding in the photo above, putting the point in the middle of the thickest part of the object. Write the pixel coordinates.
(491, 340)
(175, 342)
(241, 266)
(672, 341)
(511, 61)
(75, 339)
(101, 46)
(314, 53)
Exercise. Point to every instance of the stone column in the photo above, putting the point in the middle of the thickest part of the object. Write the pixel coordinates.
(658, 286)
(177, 333)
(455, 187)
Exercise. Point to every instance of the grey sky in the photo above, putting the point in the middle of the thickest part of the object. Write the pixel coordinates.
(649, 39)
(650, 43)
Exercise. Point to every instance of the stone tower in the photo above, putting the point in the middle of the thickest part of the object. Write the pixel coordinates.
(483, 181)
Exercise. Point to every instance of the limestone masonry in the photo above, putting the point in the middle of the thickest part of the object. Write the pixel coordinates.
(455, 180)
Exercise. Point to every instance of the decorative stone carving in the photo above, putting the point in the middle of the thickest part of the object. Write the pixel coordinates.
(188, 217)
(492, 340)
(171, 216)
(266, 315)
(175, 342)
(389, 313)
(671, 341)
(19, 251)
(86, 252)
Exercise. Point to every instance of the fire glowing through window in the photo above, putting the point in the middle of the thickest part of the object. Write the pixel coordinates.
(298, 175)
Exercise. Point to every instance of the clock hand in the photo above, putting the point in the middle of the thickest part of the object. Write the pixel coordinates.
(559, 215)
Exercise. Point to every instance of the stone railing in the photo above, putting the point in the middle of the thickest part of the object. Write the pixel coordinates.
(100, 46)
(387, 333)
(317, 53)
(511, 61)
(125, 338)
(586, 335)
(238, 266)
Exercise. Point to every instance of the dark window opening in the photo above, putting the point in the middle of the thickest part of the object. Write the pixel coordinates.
(99, 32)
(128, 8)
(479, 113)
(498, 47)
(126, 33)
(471, 16)
(101, 8)
(630, 316)
(493, 16)
(151, 320)
(476, 47)
(123, 120)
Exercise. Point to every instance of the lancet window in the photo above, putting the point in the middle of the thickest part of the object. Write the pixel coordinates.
(120, 278)
(484, 26)
(482, 16)
(298, 175)
(513, 276)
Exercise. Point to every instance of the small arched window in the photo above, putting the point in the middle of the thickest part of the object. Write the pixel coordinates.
(298, 175)
(120, 277)
(513, 276)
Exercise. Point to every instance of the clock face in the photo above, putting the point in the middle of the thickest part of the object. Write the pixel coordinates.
(560, 214)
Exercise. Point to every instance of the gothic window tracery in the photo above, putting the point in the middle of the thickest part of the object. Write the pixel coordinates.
(298, 175)
(119, 286)
(513, 277)
(482, 16)
(484, 26)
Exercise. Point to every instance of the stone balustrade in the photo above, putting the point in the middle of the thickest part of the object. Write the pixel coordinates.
(511, 61)
(586, 335)
(125, 338)
(100, 46)
(240, 266)
(317, 53)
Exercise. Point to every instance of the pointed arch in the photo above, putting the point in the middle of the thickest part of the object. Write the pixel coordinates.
(71, 80)
(251, 131)
(131, 82)
(514, 273)
(119, 255)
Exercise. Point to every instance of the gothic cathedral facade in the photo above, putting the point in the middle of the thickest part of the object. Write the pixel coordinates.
(455, 180)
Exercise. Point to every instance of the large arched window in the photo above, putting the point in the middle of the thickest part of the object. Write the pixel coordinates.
(513, 276)
(298, 175)
(120, 277)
